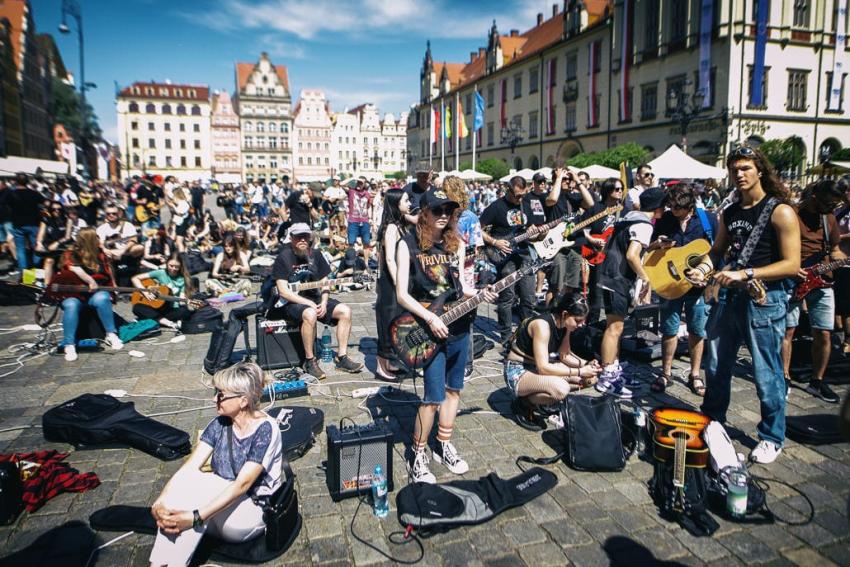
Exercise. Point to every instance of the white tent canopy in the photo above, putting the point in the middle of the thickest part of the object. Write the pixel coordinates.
(472, 175)
(598, 171)
(676, 164)
(18, 164)
(526, 174)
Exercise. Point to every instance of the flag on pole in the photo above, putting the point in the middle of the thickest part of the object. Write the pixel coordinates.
(503, 106)
(462, 130)
(437, 125)
(626, 61)
(626, 176)
(448, 128)
(478, 115)
(433, 126)
(550, 112)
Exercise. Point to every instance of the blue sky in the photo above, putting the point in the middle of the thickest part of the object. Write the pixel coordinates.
(356, 50)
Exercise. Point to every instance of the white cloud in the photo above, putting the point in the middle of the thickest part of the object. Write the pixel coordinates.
(349, 98)
(275, 46)
(310, 19)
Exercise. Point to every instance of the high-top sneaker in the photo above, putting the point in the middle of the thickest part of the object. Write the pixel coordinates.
(447, 454)
(419, 470)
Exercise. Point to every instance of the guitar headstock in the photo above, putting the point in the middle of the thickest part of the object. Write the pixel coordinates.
(535, 266)
(365, 277)
(613, 209)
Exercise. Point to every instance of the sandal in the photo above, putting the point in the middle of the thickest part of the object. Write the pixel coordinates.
(660, 384)
(697, 385)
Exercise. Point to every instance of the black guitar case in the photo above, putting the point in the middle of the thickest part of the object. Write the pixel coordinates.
(815, 429)
(99, 419)
(298, 428)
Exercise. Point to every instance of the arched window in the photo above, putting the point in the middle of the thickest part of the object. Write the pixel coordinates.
(249, 126)
(261, 127)
(284, 128)
(534, 163)
(134, 107)
(196, 110)
(150, 108)
(517, 163)
(272, 127)
(166, 108)
(181, 109)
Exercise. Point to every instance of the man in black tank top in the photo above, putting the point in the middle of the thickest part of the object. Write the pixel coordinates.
(737, 317)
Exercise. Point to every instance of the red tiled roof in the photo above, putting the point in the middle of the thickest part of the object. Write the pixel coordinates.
(201, 92)
(244, 70)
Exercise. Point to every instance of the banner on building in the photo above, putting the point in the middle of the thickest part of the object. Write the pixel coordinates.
(756, 92)
(437, 125)
(705, 25)
(433, 126)
(478, 117)
(550, 81)
(626, 60)
(838, 56)
(448, 127)
(593, 58)
(503, 106)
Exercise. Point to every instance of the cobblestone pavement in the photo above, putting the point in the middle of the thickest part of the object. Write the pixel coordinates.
(588, 519)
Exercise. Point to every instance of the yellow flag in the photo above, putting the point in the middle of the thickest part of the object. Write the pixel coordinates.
(463, 131)
(448, 128)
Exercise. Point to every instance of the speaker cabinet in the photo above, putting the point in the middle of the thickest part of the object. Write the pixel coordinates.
(279, 344)
(353, 453)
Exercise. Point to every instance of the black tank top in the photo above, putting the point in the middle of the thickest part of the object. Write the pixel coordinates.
(739, 224)
(524, 343)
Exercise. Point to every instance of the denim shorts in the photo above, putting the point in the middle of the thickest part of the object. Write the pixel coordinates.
(5, 231)
(446, 369)
(512, 372)
(821, 307)
(360, 229)
(696, 315)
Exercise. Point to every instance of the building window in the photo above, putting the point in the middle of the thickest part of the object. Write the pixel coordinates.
(249, 141)
(249, 126)
(797, 81)
(150, 108)
(167, 126)
(649, 101)
(764, 85)
(284, 128)
(151, 127)
(596, 104)
(273, 162)
(572, 66)
(261, 127)
(677, 85)
(182, 128)
(518, 85)
(273, 143)
(801, 13)
(300, 160)
(167, 144)
(196, 128)
(197, 161)
(181, 109)
(678, 25)
(489, 133)
(136, 160)
(272, 127)
(151, 143)
(533, 124)
(570, 115)
(533, 80)
(491, 94)
(134, 107)
(166, 108)
(467, 105)
(196, 110)
(182, 144)
(135, 142)
(167, 161)
(829, 77)
(152, 160)
(182, 161)
(134, 125)
(650, 35)
(197, 144)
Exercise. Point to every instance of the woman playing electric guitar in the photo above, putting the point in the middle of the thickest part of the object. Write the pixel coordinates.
(176, 278)
(87, 262)
(531, 376)
(429, 260)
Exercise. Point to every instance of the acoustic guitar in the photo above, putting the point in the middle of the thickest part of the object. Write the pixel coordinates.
(161, 294)
(678, 438)
(666, 267)
(67, 284)
(146, 212)
(412, 338)
(558, 237)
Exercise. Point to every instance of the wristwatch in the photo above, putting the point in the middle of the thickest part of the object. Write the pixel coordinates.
(750, 274)
(197, 522)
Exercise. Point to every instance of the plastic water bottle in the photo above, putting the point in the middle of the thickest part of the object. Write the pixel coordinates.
(380, 502)
(736, 492)
(327, 353)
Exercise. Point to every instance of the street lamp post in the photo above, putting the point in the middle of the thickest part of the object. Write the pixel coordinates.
(683, 107)
(512, 134)
(72, 8)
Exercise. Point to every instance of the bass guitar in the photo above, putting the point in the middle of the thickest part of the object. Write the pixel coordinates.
(814, 277)
(498, 258)
(558, 237)
(411, 337)
(678, 438)
(596, 256)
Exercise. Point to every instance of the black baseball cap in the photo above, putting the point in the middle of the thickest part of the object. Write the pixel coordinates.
(434, 198)
(539, 178)
(652, 198)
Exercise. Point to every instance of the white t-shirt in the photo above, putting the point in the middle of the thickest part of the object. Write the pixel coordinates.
(180, 212)
(123, 230)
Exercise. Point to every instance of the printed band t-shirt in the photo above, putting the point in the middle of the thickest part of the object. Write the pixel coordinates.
(507, 220)
(740, 223)
(358, 205)
(289, 267)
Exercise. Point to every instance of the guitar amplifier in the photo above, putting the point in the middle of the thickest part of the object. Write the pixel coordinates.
(363, 445)
(279, 344)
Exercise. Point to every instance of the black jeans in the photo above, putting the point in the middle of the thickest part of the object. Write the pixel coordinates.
(524, 289)
(237, 323)
(168, 311)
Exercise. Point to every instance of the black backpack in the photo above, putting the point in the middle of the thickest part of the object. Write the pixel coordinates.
(689, 508)
(205, 320)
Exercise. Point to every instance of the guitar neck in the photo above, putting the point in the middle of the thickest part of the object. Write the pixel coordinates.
(829, 266)
(680, 460)
(542, 228)
(110, 289)
(593, 219)
(319, 284)
(468, 305)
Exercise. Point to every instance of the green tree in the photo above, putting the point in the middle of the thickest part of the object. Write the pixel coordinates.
(65, 110)
(399, 175)
(494, 167)
(841, 155)
(785, 155)
(632, 153)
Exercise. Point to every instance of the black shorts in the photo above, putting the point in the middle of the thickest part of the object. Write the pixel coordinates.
(292, 312)
(615, 303)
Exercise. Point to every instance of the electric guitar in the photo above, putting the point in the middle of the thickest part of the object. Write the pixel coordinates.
(411, 337)
(678, 437)
(498, 258)
(558, 237)
(296, 287)
(596, 256)
(814, 277)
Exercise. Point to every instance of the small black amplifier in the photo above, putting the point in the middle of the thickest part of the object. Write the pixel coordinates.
(279, 344)
(363, 445)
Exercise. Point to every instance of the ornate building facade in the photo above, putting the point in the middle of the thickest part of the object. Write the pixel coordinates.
(363, 143)
(225, 134)
(312, 137)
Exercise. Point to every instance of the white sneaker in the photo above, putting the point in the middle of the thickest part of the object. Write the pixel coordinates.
(448, 456)
(114, 342)
(765, 452)
(616, 388)
(70, 353)
(419, 470)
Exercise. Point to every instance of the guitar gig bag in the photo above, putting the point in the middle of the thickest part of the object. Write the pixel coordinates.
(298, 428)
(100, 419)
(694, 517)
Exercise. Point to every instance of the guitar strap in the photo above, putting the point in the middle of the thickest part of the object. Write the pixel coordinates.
(824, 222)
(750, 246)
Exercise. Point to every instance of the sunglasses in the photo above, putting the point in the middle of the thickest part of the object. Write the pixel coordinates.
(220, 398)
(111, 213)
(743, 151)
(649, 175)
(444, 210)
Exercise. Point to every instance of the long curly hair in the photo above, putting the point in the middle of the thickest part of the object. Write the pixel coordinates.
(770, 181)
(87, 249)
(451, 237)
(455, 189)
